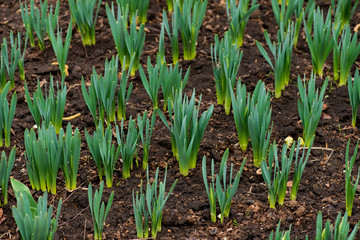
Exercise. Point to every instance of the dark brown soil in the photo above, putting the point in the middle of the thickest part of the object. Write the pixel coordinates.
(186, 214)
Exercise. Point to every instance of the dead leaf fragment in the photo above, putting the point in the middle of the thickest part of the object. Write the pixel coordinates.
(325, 116)
(356, 28)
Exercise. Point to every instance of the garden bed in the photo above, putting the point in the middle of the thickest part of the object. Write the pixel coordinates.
(186, 214)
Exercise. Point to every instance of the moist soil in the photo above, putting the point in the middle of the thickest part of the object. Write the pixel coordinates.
(186, 214)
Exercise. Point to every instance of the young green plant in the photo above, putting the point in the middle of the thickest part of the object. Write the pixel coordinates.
(226, 59)
(340, 230)
(43, 157)
(36, 19)
(286, 10)
(285, 235)
(139, 7)
(282, 53)
(161, 49)
(345, 54)
(71, 155)
(141, 214)
(186, 129)
(98, 210)
(49, 108)
(61, 50)
(22, 55)
(354, 95)
(10, 64)
(155, 200)
(238, 16)
(310, 106)
(33, 219)
(299, 168)
(173, 82)
(103, 152)
(224, 192)
(127, 145)
(321, 43)
(344, 11)
(174, 33)
(156, 77)
(350, 185)
(241, 110)
(83, 13)
(145, 132)
(278, 185)
(190, 20)
(124, 92)
(7, 115)
(259, 122)
(128, 43)
(6, 166)
(100, 97)
(300, 14)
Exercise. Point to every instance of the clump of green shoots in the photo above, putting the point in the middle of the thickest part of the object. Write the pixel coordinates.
(61, 50)
(241, 109)
(310, 106)
(259, 122)
(282, 53)
(284, 14)
(174, 33)
(136, 7)
(222, 192)
(124, 92)
(82, 12)
(285, 235)
(49, 108)
(7, 114)
(156, 77)
(103, 152)
(278, 185)
(344, 11)
(9, 64)
(47, 153)
(345, 54)
(299, 168)
(37, 19)
(149, 205)
(354, 95)
(335, 232)
(241, 106)
(22, 55)
(6, 166)
(226, 59)
(321, 43)
(71, 155)
(145, 132)
(238, 16)
(127, 145)
(191, 16)
(33, 219)
(100, 97)
(128, 44)
(98, 210)
(173, 82)
(186, 129)
(300, 14)
(350, 185)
